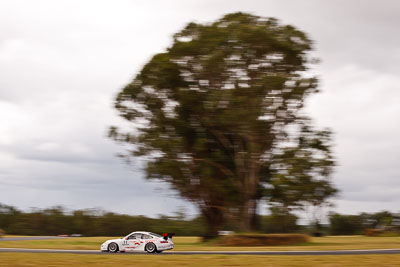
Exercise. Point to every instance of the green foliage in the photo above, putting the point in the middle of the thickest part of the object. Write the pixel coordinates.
(345, 224)
(279, 223)
(300, 169)
(300, 172)
(211, 112)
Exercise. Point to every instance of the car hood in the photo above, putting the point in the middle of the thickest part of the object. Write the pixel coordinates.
(113, 240)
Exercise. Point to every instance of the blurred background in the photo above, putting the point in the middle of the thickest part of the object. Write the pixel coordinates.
(63, 63)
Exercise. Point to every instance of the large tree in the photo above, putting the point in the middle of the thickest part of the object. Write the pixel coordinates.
(209, 112)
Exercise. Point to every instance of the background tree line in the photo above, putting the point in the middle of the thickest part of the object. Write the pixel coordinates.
(381, 222)
(92, 222)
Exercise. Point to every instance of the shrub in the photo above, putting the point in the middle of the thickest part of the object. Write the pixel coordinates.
(279, 223)
(345, 224)
(371, 232)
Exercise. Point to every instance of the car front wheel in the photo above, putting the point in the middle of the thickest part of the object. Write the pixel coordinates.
(113, 247)
(151, 248)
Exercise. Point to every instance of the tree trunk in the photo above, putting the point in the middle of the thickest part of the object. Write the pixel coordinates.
(250, 178)
(255, 224)
(214, 222)
(247, 215)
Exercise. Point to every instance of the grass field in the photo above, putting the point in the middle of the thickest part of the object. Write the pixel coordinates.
(58, 260)
(194, 243)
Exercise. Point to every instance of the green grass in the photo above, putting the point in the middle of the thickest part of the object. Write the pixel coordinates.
(194, 243)
(59, 260)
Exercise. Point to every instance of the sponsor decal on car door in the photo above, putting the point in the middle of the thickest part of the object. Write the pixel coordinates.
(133, 242)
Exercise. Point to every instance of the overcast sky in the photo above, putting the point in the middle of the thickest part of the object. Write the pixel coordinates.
(62, 63)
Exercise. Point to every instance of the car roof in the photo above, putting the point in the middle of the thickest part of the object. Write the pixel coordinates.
(140, 232)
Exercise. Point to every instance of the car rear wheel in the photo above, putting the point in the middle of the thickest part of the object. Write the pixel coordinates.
(151, 248)
(113, 247)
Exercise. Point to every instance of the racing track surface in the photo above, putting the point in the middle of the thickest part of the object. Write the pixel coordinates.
(326, 252)
(330, 252)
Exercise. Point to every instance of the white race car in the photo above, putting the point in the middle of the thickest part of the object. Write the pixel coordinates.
(140, 241)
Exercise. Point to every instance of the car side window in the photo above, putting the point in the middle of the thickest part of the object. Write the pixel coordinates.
(135, 236)
(132, 236)
(138, 236)
(147, 237)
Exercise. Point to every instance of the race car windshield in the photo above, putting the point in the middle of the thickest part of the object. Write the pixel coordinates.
(156, 235)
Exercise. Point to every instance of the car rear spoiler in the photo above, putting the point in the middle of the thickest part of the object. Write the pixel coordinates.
(168, 235)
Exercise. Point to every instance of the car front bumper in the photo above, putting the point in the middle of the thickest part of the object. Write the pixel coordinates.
(103, 247)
